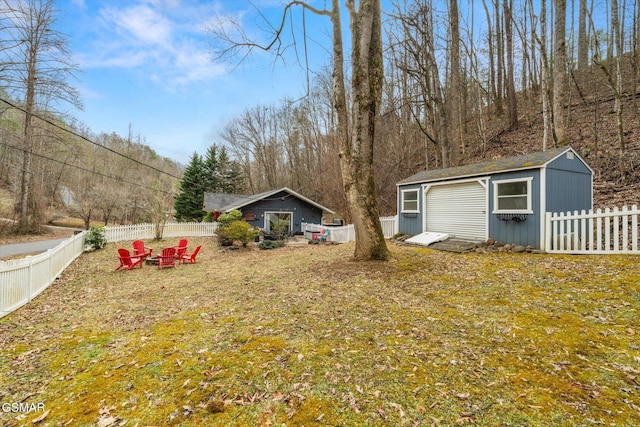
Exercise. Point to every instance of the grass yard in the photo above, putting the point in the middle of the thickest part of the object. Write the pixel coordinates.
(304, 336)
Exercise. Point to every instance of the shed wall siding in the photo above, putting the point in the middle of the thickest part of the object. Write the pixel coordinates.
(524, 232)
(284, 202)
(568, 191)
(410, 223)
(564, 163)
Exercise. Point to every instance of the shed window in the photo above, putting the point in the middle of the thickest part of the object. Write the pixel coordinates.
(512, 196)
(410, 201)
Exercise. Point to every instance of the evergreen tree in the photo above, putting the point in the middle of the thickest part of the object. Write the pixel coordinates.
(190, 200)
(212, 175)
(231, 180)
(222, 175)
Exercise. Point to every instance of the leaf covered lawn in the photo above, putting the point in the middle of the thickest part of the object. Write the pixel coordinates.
(305, 336)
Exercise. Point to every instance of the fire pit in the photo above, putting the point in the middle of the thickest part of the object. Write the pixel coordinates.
(152, 260)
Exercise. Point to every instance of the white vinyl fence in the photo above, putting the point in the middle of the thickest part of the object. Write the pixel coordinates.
(346, 233)
(23, 279)
(600, 232)
(148, 231)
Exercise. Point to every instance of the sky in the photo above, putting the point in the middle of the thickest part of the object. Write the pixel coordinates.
(148, 65)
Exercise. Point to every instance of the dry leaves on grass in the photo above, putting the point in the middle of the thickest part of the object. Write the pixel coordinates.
(304, 336)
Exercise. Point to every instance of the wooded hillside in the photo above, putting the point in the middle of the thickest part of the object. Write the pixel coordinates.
(493, 79)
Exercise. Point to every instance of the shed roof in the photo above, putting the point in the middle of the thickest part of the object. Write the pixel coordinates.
(225, 202)
(506, 164)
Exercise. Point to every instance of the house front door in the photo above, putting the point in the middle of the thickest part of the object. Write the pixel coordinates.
(278, 224)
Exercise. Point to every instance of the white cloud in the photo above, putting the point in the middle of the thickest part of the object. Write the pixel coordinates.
(113, 56)
(164, 36)
(138, 24)
(80, 4)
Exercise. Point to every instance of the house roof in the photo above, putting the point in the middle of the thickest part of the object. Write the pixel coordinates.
(226, 202)
(526, 161)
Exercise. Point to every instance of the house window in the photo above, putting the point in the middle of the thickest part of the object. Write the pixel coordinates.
(410, 201)
(512, 196)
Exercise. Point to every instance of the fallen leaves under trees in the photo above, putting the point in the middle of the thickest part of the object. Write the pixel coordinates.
(304, 336)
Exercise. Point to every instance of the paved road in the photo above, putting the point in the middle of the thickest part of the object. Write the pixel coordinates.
(28, 248)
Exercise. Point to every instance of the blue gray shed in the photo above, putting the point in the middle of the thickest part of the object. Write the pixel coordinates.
(504, 199)
(264, 209)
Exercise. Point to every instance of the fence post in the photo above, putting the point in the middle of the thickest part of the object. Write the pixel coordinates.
(583, 230)
(547, 232)
(591, 231)
(30, 279)
(599, 221)
(634, 228)
(607, 229)
(561, 232)
(575, 229)
(625, 229)
(616, 230)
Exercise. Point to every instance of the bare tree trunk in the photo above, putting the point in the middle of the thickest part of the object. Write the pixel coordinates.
(492, 72)
(559, 74)
(615, 82)
(534, 73)
(510, 81)
(634, 49)
(477, 87)
(618, 34)
(27, 144)
(356, 150)
(455, 90)
(583, 42)
(499, 36)
(546, 85)
(25, 181)
(610, 35)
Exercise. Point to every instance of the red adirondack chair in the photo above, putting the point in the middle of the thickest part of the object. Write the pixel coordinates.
(127, 261)
(140, 250)
(181, 248)
(167, 258)
(190, 257)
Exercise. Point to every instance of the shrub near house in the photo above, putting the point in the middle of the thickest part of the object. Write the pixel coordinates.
(231, 228)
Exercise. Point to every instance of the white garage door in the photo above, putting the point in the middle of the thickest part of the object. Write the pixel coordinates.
(458, 209)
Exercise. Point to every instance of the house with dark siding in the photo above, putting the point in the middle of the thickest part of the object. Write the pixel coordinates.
(263, 210)
(503, 199)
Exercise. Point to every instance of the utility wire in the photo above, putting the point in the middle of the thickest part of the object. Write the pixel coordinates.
(90, 141)
(116, 178)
